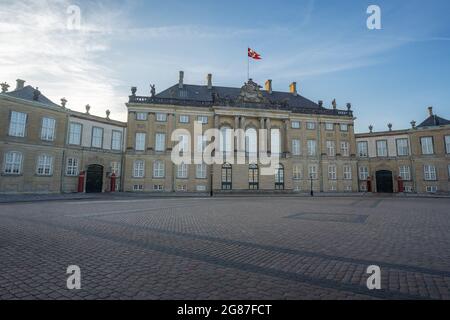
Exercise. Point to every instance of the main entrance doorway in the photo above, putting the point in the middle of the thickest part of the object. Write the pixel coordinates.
(385, 182)
(94, 179)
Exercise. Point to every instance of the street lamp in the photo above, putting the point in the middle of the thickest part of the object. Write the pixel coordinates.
(312, 190)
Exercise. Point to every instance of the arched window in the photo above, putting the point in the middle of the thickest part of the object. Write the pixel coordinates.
(253, 177)
(279, 177)
(251, 142)
(227, 177)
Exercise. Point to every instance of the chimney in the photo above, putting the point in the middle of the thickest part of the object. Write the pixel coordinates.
(209, 80)
(181, 81)
(293, 88)
(269, 86)
(20, 84)
(430, 110)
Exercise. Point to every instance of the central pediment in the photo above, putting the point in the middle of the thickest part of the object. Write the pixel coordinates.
(251, 93)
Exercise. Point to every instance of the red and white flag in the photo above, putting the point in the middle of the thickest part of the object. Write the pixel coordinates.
(253, 54)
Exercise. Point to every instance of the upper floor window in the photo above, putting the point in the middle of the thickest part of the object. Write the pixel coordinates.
(311, 125)
(159, 170)
(312, 170)
(13, 163)
(202, 119)
(447, 144)
(363, 149)
(140, 141)
(97, 137)
(184, 143)
(72, 167)
(141, 116)
(332, 172)
(347, 172)
(184, 119)
(296, 147)
(116, 143)
(329, 126)
(161, 117)
(48, 129)
(345, 148)
(331, 148)
(17, 124)
(45, 165)
(363, 173)
(75, 134)
(138, 169)
(402, 147)
(297, 172)
(344, 127)
(427, 145)
(430, 173)
(312, 148)
(295, 124)
(382, 150)
(160, 142)
(405, 173)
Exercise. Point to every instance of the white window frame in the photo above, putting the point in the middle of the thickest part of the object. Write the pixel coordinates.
(295, 125)
(329, 126)
(447, 144)
(347, 169)
(138, 169)
(312, 172)
(296, 147)
(201, 171)
(402, 147)
(345, 148)
(72, 167)
(297, 172)
(161, 117)
(202, 119)
(185, 119)
(312, 148)
(116, 140)
(428, 146)
(363, 173)
(116, 168)
(344, 127)
(405, 172)
(332, 172)
(429, 173)
(13, 166)
(48, 129)
(44, 165)
(363, 152)
(75, 137)
(380, 143)
(311, 125)
(17, 124)
(141, 116)
(95, 138)
(140, 141)
(159, 169)
(160, 142)
(331, 148)
(182, 171)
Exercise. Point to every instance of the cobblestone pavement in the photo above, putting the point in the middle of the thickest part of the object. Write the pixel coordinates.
(231, 248)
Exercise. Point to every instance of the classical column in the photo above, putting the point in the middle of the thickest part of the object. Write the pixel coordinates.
(287, 145)
(216, 121)
(151, 132)
(242, 142)
(236, 138)
(269, 135)
(170, 128)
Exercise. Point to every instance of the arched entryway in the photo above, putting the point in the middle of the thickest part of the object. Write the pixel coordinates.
(385, 183)
(94, 179)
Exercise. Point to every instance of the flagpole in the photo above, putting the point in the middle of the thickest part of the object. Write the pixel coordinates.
(248, 66)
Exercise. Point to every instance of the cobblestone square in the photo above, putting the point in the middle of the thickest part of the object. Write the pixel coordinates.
(226, 248)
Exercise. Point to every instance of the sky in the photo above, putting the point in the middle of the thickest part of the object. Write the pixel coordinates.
(391, 75)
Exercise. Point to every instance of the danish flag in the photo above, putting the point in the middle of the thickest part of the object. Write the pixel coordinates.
(253, 54)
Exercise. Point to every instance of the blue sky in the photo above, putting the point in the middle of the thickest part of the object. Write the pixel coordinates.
(389, 75)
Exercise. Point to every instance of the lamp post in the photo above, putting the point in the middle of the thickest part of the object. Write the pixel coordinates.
(312, 190)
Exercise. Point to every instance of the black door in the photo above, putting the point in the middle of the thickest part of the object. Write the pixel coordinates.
(385, 183)
(94, 179)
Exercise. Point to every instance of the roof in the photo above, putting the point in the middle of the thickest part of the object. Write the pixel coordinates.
(433, 121)
(27, 93)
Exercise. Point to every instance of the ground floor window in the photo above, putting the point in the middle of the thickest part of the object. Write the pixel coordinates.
(227, 177)
(45, 165)
(253, 177)
(279, 178)
(72, 167)
(13, 163)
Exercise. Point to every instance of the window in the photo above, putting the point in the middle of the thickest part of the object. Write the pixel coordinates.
(161, 117)
(296, 148)
(140, 141)
(227, 177)
(202, 142)
(160, 142)
(405, 173)
(408, 189)
(159, 170)
(97, 137)
(184, 119)
(344, 127)
(116, 143)
(431, 189)
(311, 125)
(115, 168)
(17, 124)
(141, 116)
(363, 173)
(251, 142)
(13, 163)
(253, 177)
(427, 145)
(182, 171)
(447, 144)
(202, 119)
(75, 134)
(329, 126)
(402, 147)
(345, 149)
(276, 141)
(184, 144)
(363, 149)
(139, 169)
(312, 148)
(182, 188)
(48, 129)
(332, 172)
(382, 148)
(279, 178)
(44, 165)
(312, 171)
(430, 173)
(158, 187)
(347, 172)
(201, 188)
(331, 148)
(72, 167)
(297, 173)
(295, 124)
(138, 187)
(201, 171)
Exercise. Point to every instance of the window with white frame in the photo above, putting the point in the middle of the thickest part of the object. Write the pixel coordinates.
(312, 148)
(447, 144)
(311, 125)
(115, 168)
(184, 119)
(382, 150)
(431, 189)
(48, 129)
(13, 163)
(116, 142)
(72, 167)
(97, 137)
(202, 119)
(140, 141)
(405, 173)
(141, 116)
(430, 173)
(138, 187)
(184, 143)
(329, 126)
(139, 169)
(75, 133)
(332, 172)
(402, 147)
(297, 172)
(363, 149)
(363, 173)
(427, 145)
(202, 142)
(296, 147)
(344, 127)
(347, 172)
(331, 148)
(160, 142)
(17, 124)
(295, 124)
(44, 165)
(201, 171)
(182, 171)
(161, 117)
(312, 171)
(159, 170)
(158, 187)
(345, 149)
